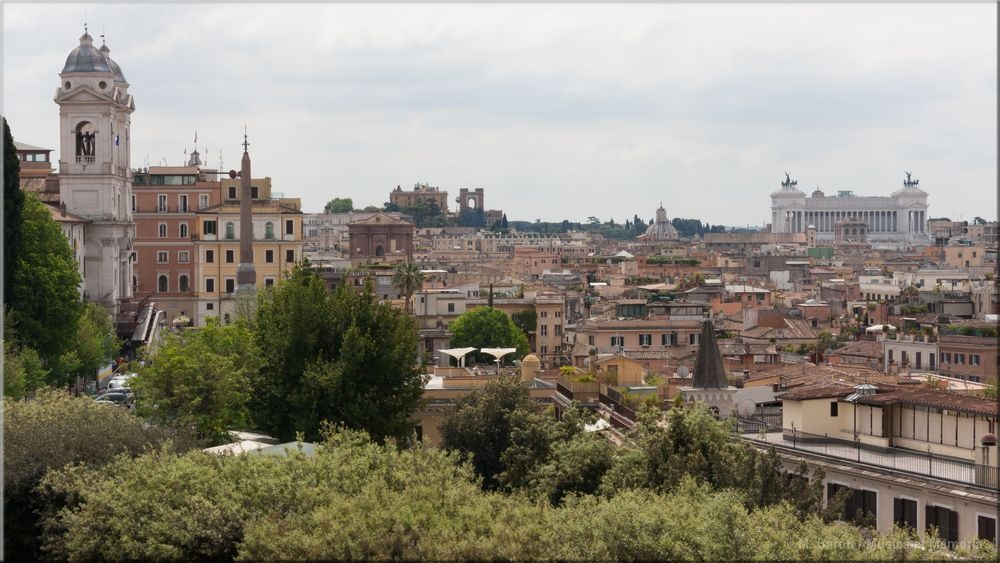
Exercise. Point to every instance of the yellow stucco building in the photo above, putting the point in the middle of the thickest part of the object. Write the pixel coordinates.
(277, 245)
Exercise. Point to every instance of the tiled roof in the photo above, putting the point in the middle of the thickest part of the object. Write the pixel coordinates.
(799, 328)
(655, 354)
(935, 399)
(862, 348)
(817, 391)
(26, 147)
(745, 348)
(67, 217)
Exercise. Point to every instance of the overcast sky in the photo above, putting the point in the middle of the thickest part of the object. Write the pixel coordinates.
(558, 111)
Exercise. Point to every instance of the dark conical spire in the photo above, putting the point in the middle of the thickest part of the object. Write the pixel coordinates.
(709, 370)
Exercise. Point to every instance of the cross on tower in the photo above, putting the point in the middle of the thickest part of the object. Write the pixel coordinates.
(246, 143)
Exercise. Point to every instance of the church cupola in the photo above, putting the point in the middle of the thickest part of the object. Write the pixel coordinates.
(115, 69)
(86, 58)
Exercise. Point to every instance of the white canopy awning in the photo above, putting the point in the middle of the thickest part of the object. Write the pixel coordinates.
(497, 352)
(458, 353)
(878, 328)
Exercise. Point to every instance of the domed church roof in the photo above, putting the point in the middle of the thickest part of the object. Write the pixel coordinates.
(86, 58)
(119, 75)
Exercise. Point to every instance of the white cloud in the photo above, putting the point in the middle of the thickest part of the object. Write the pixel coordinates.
(557, 110)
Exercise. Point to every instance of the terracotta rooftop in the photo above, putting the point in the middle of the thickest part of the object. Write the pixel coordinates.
(744, 348)
(656, 354)
(67, 217)
(861, 348)
(935, 399)
(818, 391)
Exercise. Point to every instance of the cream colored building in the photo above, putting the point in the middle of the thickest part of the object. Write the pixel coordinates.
(277, 246)
(910, 456)
(75, 229)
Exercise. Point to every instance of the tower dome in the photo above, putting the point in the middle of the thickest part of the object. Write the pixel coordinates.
(86, 58)
(117, 70)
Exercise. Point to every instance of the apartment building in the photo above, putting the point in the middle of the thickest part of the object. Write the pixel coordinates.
(906, 352)
(277, 245)
(165, 200)
(969, 357)
(917, 458)
(609, 336)
(545, 341)
(529, 262)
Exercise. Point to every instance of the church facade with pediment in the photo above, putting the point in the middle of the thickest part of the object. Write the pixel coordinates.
(380, 239)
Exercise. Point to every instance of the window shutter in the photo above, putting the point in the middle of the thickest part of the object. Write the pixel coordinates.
(897, 511)
(987, 528)
(953, 525)
(871, 503)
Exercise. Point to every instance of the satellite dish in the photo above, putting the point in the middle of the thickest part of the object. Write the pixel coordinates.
(682, 371)
(233, 174)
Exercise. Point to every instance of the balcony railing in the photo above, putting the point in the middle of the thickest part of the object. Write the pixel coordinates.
(897, 459)
(83, 159)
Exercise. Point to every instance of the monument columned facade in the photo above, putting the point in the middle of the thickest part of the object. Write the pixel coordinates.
(900, 218)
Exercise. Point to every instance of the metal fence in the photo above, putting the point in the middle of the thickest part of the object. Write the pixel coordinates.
(757, 423)
(908, 461)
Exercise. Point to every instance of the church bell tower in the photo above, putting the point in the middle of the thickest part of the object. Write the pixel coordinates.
(95, 179)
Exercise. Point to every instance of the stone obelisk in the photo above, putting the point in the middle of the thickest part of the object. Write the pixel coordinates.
(246, 276)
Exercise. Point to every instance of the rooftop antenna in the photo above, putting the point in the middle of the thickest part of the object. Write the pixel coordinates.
(85, 32)
(220, 160)
(246, 143)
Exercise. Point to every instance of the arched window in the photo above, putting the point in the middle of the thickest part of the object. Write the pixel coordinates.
(269, 230)
(379, 251)
(183, 283)
(184, 230)
(86, 142)
(163, 230)
(230, 230)
(161, 284)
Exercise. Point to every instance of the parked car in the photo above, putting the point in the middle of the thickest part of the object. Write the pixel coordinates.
(120, 381)
(117, 397)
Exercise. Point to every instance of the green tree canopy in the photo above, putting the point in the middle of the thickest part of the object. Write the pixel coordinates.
(13, 204)
(54, 429)
(365, 501)
(45, 301)
(487, 327)
(479, 425)
(341, 356)
(200, 380)
(96, 341)
(339, 205)
(23, 371)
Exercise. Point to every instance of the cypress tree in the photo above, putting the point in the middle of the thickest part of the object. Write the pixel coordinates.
(13, 205)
